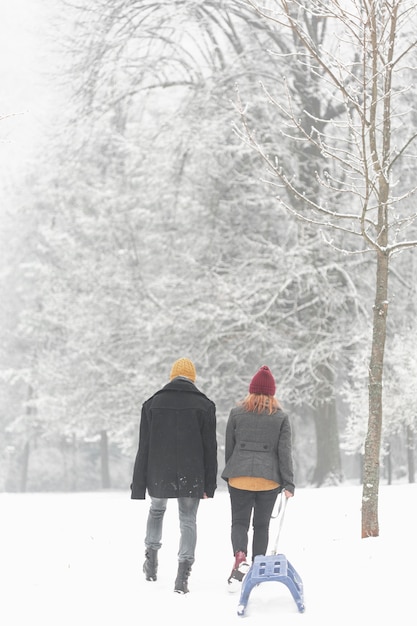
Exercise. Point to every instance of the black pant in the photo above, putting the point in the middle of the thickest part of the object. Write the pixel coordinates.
(243, 503)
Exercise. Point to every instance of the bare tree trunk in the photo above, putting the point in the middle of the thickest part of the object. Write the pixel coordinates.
(25, 467)
(328, 463)
(410, 454)
(388, 464)
(370, 492)
(74, 463)
(26, 449)
(104, 454)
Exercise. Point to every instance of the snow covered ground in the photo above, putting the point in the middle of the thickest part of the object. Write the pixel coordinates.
(76, 559)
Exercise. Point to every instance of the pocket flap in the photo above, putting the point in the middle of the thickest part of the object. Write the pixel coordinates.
(254, 446)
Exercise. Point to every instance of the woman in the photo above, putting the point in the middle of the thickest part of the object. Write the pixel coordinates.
(258, 466)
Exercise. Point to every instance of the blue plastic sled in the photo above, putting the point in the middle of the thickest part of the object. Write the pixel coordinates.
(272, 568)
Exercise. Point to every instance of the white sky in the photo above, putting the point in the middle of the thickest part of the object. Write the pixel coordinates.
(24, 92)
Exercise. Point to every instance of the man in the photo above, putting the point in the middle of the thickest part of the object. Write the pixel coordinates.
(177, 458)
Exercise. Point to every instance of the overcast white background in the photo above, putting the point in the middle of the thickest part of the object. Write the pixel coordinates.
(27, 95)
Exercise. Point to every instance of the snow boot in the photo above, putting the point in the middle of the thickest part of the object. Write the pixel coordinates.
(181, 582)
(240, 568)
(150, 566)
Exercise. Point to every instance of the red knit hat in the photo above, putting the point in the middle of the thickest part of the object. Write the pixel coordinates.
(263, 382)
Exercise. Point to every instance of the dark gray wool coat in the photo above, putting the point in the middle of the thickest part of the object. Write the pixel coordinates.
(177, 454)
(259, 445)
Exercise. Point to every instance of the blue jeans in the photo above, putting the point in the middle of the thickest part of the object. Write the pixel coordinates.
(187, 512)
(243, 503)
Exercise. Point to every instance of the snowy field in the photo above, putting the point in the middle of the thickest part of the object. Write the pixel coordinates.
(76, 559)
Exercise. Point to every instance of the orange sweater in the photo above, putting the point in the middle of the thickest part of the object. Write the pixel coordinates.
(252, 483)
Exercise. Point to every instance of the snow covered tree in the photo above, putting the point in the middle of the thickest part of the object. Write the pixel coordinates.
(365, 194)
(216, 177)
(157, 237)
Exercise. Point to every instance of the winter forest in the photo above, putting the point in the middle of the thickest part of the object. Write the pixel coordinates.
(228, 180)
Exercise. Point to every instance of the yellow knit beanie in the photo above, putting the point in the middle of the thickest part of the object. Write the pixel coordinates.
(183, 367)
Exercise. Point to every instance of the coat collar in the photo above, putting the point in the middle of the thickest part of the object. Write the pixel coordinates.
(180, 383)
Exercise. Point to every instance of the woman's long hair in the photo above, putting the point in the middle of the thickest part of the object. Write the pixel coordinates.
(258, 403)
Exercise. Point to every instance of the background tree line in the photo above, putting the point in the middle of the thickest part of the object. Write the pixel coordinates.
(145, 230)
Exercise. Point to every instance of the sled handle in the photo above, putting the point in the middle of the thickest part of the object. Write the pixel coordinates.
(282, 504)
